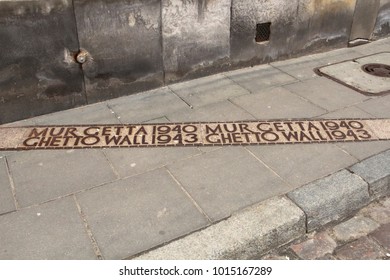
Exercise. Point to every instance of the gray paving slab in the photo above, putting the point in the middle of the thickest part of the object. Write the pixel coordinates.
(158, 120)
(128, 162)
(258, 78)
(349, 112)
(277, 103)
(226, 180)
(221, 111)
(139, 213)
(376, 172)
(374, 47)
(338, 55)
(27, 122)
(209, 149)
(245, 235)
(327, 94)
(52, 230)
(363, 150)
(6, 198)
(6, 153)
(208, 90)
(146, 106)
(301, 164)
(92, 114)
(375, 58)
(331, 198)
(302, 68)
(40, 176)
(378, 107)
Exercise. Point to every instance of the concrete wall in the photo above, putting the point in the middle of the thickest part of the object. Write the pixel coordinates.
(37, 71)
(196, 37)
(382, 26)
(123, 39)
(135, 45)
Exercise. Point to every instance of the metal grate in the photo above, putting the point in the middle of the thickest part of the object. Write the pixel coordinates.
(263, 32)
(376, 69)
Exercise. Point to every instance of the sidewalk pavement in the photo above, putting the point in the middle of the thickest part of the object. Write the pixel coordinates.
(189, 202)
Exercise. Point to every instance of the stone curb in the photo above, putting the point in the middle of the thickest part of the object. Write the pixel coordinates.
(331, 198)
(376, 172)
(277, 221)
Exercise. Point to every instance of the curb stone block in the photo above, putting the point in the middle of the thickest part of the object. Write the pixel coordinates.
(330, 198)
(245, 235)
(376, 172)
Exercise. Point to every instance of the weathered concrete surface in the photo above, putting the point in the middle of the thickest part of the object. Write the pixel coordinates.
(123, 39)
(364, 19)
(196, 37)
(246, 14)
(323, 24)
(135, 45)
(298, 26)
(52, 230)
(382, 26)
(38, 74)
(243, 236)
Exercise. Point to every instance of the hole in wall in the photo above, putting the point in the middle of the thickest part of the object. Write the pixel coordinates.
(263, 32)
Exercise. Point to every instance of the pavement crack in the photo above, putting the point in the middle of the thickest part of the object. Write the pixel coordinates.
(189, 196)
(114, 113)
(236, 83)
(268, 167)
(116, 173)
(12, 184)
(92, 238)
(182, 99)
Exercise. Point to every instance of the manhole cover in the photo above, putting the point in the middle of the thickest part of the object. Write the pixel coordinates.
(369, 75)
(376, 69)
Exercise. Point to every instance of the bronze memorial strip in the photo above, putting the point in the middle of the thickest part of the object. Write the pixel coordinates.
(194, 134)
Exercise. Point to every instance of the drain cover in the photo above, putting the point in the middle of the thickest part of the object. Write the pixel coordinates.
(368, 75)
(376, 69)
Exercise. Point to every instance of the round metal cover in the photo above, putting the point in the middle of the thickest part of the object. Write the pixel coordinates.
(377, 69)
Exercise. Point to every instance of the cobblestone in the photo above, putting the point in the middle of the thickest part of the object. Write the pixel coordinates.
(361, 249)
(363, 236)
(382, 236)
(354, 228)
(316, 247)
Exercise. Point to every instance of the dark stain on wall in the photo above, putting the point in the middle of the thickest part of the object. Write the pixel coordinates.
(123, 39)
(137, 45)
(382, 26)
(37, 72)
